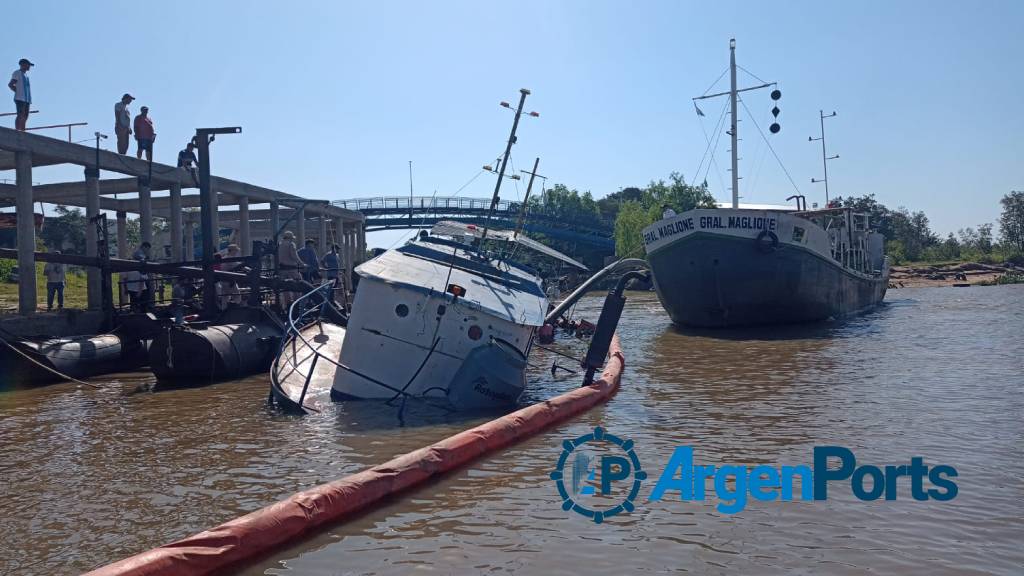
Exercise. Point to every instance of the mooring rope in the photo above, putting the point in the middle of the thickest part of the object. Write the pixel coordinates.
(45, 367)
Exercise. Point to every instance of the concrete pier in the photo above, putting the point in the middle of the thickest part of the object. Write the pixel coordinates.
(190, 240)
(300, 227)
(92, 209)
(145, 212)
(122, 235)
(177, 228)
(132, 192)
(26, 234)
(244, 238)
(323, 235)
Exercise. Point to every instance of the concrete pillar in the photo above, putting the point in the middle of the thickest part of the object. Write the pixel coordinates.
(190, 239)
(323, 234)
(300, 227)
(94, 286)
(336, 236)
(215, 220)
(361, 243)
(145, 213)
(177, 229)
(122, 235)
(26, 233)
(339, 237)
(244, 237)
(122, 250)
(275, 219)
(350, 244)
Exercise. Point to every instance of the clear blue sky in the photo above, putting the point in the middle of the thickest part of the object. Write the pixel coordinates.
(335, 98)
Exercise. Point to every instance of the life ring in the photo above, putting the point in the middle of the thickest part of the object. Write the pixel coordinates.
(767, 242)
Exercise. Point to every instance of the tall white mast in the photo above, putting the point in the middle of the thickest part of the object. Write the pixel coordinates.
(733, 131)
(733, 94)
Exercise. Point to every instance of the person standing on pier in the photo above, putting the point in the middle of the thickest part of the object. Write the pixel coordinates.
(123, 122)
(332, 267)
(187, 160)
(229, 290)
(311, 273)
(288, 264)
(144, 134)
(137, 282)
(55, 280)
(22, 89)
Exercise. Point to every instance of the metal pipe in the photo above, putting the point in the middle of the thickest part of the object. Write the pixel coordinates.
(623, 264)
(601, 342)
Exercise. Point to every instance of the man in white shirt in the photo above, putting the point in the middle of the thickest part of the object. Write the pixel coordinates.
(55, 280)
(667, 212)
(137, 283)
(123, 123)
(22, 89)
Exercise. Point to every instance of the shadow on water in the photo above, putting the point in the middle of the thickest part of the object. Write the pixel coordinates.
(824, 330)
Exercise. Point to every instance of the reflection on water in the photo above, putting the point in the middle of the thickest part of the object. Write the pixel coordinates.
(92, 476)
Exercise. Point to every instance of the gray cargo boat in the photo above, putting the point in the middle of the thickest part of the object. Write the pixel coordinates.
(723, 267)
(745, 265)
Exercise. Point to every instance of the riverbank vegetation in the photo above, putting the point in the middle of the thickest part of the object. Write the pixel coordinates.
(910, 240)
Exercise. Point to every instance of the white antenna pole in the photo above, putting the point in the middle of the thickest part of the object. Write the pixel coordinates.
(733, 132)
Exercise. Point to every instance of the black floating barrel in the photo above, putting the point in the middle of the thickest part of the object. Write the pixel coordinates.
(200, 354)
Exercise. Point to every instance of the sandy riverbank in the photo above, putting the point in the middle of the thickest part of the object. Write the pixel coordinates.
(973, 273)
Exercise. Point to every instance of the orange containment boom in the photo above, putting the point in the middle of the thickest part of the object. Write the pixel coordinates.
(255, 535)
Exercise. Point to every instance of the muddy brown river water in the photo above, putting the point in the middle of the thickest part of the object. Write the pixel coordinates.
(91, 476)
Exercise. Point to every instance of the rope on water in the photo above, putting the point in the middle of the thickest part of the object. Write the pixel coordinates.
(45, 367)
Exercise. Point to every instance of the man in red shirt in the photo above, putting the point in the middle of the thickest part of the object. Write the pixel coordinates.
(144, 134)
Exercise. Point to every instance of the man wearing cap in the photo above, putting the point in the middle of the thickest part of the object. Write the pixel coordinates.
(289, 264)
(22, 89)
(144, 134)
(123, 122)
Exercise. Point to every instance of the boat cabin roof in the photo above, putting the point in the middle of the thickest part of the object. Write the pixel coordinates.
(455, 229)
(508, 292)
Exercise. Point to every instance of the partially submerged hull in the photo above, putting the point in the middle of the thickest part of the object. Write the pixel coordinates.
(303, 371)
(709, 275)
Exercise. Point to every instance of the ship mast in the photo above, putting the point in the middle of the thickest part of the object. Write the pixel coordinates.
(733, 131)
(495, 198)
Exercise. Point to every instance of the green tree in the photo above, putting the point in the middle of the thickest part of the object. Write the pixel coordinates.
(985, 243)
(629, 223)
(65, 231)
(1011, 222)
(636, 214)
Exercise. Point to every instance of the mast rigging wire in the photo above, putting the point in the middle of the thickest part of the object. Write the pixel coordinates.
(770, 147)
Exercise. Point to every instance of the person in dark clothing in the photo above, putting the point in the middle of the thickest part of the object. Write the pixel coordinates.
(308, 256)
(187, 160)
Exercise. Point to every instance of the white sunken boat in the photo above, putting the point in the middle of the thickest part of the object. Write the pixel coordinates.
(440, 319)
